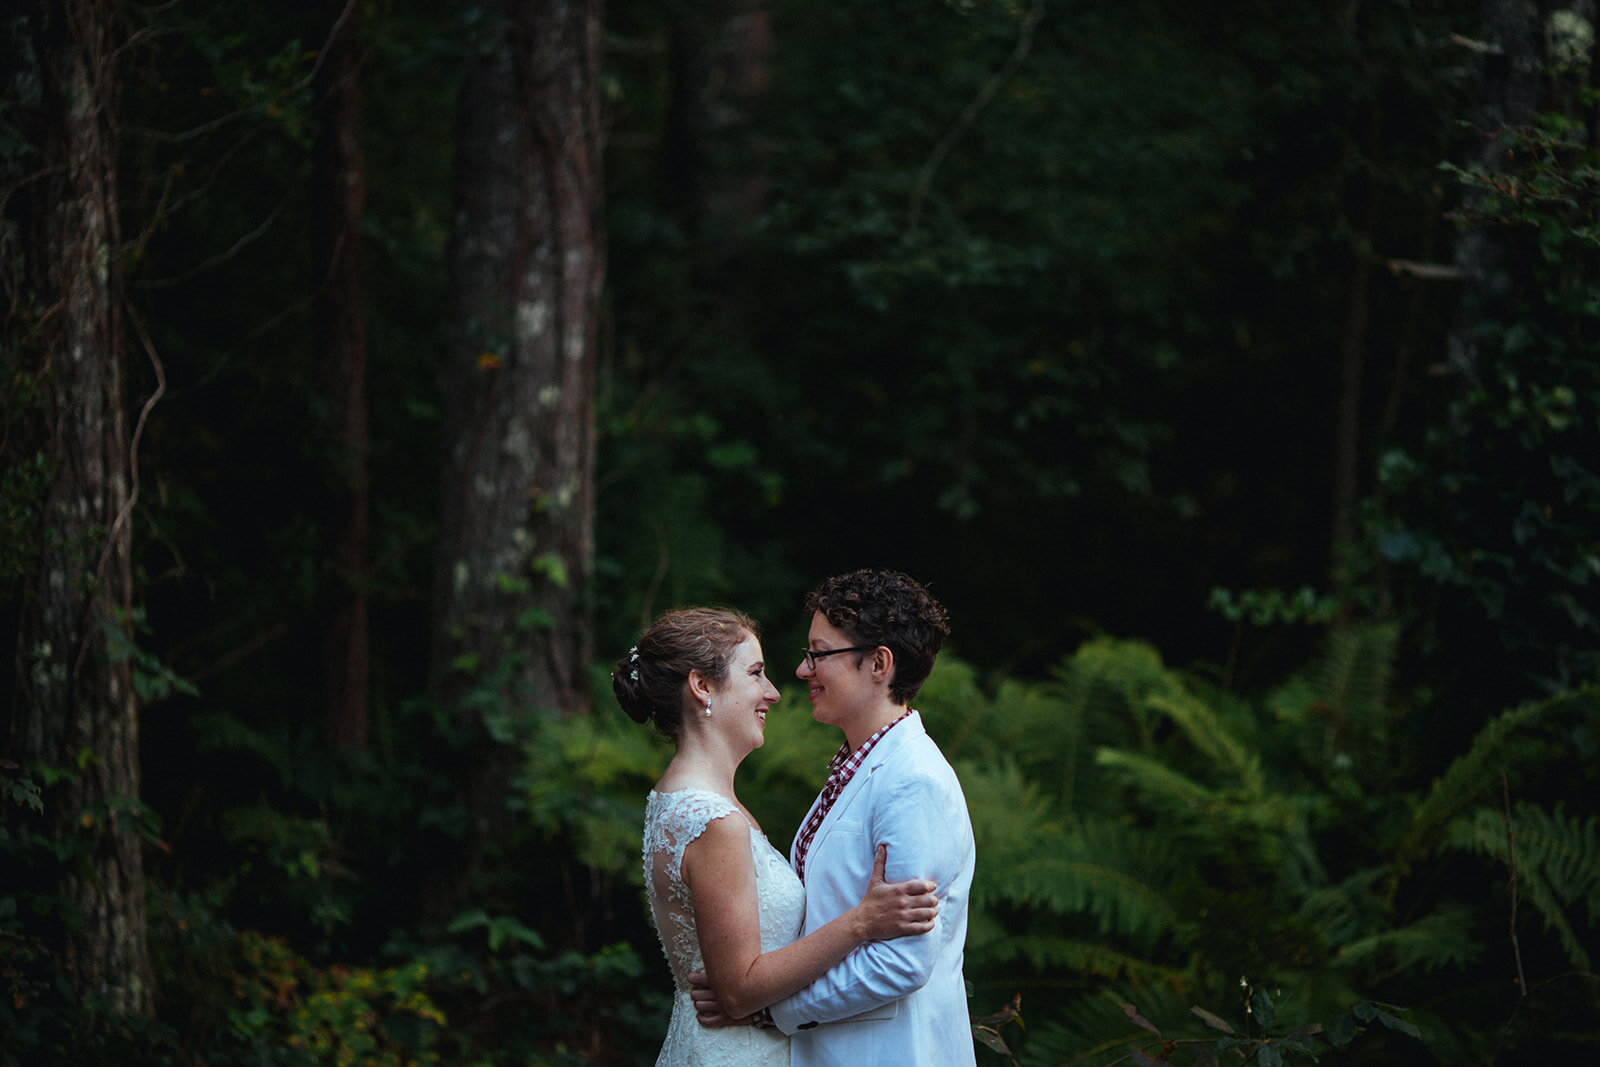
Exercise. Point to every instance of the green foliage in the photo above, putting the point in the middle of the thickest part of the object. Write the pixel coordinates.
(584, 782)
(1264, 607)
(1264, 836)
(1259, 1036)
(1502, 502)
(1511, 743)
(1554, 859)
(21, 791)
(152, 679)
(343, 1015)
(22, 490)
(1012, 266)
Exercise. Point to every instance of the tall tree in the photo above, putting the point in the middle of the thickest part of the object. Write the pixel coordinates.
(516, 526)
(75, 708)
(1493, 514)
(338, 195)
(710, 179)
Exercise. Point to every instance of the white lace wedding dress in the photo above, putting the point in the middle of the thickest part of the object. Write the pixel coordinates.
(671, 822)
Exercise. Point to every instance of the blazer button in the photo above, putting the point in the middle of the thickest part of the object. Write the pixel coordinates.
(807, 1026)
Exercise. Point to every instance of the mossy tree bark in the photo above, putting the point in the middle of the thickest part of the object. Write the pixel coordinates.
(516, 535)
(76, 708)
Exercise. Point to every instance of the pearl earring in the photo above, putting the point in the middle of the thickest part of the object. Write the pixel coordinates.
(708, 706)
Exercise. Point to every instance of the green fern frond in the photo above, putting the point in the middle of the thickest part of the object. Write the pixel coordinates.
(1115, 681)
(1206, 731)
(1160, 786)
(1356, 671)
(1096, 879)
(1096, 1029)
(1434, 942)
(1557, 864)
(1064, 762)
(222, 732)
(1508, 742)
(956, 712)
(1060, 956)
(1343, 913)
(1011, 823)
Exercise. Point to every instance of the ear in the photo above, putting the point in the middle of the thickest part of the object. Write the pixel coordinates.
(699, 688)
(882, 664)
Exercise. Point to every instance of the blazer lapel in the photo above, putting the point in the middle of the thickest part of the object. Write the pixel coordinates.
(891, 743)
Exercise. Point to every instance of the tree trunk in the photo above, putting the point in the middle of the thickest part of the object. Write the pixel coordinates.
(710, 175)
(75, 707)
(1509, 92)
(1350, 427)
(516, 518)
(338, 195)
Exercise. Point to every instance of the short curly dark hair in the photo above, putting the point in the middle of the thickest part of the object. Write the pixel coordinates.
(881, 607)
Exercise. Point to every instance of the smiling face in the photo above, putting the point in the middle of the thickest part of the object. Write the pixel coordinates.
(742, 702)
(840, 686)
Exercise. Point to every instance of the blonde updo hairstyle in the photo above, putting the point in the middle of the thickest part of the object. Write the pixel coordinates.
(649, 681)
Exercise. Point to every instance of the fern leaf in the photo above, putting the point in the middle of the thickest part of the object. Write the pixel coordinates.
(1356, 670)
(1059, 955)
(1557, 863)
(1156, 783)
(1095, 1030)
(1116, 680)
(1206, 731)
(1443, 939)
(1351, 909)
(1510, 741)
(1120, 901)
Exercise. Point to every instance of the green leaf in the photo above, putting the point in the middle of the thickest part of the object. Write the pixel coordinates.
(1301, 1038)
(1137, 1019)
(991, 1040)
(1262, 1007)
(1216, 1022)
(1342, 1030)
(552, 567)
(1394, 1022)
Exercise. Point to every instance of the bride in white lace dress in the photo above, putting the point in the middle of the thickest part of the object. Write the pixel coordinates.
(725, 902)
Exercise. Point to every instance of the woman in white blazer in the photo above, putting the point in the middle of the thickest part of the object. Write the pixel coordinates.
(872, 642)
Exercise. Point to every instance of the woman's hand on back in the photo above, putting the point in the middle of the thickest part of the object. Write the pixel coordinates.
(895, 909)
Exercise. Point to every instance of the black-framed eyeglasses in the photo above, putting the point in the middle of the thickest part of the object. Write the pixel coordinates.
(812, 655)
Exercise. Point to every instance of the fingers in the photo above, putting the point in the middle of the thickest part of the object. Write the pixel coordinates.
(879, 863)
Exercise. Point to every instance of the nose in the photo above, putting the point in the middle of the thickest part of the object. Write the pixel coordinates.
(772, 694)
(804, 669)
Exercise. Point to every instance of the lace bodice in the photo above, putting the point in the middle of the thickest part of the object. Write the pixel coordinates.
(671, 821)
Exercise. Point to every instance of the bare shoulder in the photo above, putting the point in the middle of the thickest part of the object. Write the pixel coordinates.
(721, 852)
(727, 833)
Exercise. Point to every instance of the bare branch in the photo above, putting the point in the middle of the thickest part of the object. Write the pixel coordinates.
(1430, 271)
(969, 114)
(1516, 947)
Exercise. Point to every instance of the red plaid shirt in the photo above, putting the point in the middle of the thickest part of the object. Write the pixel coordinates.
(841, 768)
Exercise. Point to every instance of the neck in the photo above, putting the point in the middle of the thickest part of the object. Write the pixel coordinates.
(857, 732)
(702, 762)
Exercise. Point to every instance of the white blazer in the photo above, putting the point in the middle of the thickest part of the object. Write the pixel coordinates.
(899, 1003)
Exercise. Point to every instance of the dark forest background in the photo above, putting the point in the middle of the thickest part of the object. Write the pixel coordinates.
(374, 370)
